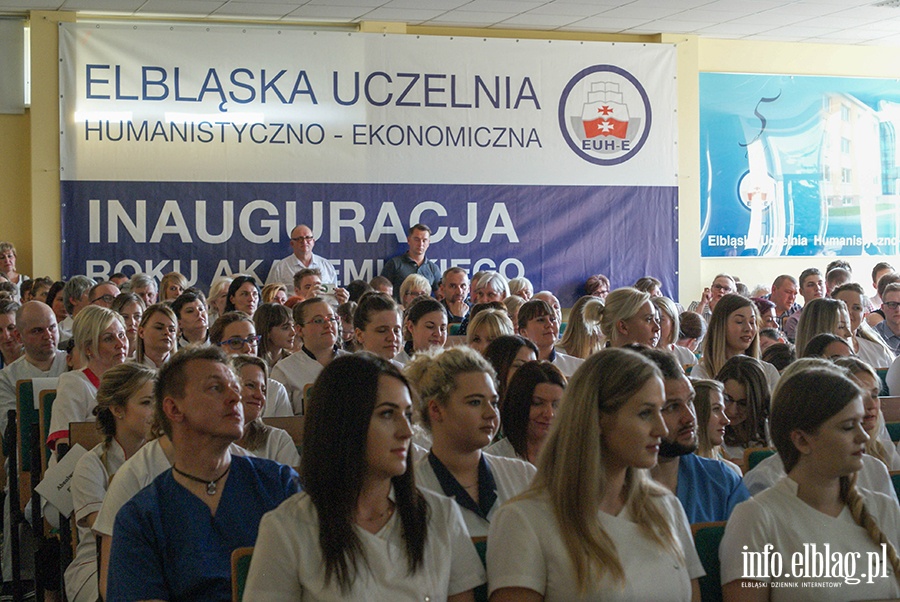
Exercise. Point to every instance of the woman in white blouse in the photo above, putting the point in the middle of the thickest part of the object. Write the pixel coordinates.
(817, 427)
(157, 336)
(124, 412)
(361, 530)
(594, 525)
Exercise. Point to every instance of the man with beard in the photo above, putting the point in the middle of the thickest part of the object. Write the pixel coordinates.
(455, 288)
(707, 489)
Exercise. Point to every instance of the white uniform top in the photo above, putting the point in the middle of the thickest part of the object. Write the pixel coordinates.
(76, 397)
(288, 565)
(65, 328)
(511, 476)
(771, 372)
(283, 271)
(277, 401)
(503, 449)
(872, 476)
(279, 448)
(684, 356)
(89, 483)
(877, 356)
(402, 358)
(567, 364)
(296, 372)
(893, 377)
(136, 473)
(525, 549)
(21, 369)
(778, 517)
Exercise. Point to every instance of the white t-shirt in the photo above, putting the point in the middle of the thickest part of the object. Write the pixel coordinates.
(277, 401)
(279, 448)
(684, 356)
(136, 473)
(771, 372)
(296, 372)
(89, 483)
(877, 356)
(22, 369)
(525, 549)
(288, 565)
(76, 397)
(511, 476)
(872, 476)
(567, 364)
(778, 517)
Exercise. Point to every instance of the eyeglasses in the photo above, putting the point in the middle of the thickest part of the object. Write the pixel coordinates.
(237, 342)
(105, 298)
(722, 287)
(319, 320)
(304, 238)
(891, 305)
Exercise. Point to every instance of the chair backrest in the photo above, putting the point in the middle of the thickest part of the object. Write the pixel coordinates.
(85, 434)
(893, 429)
(882, 376)
(44, 412)
(292, 424)
(240, 566)
(895, 479)
(890, 408)
(707, 537)
(755, 455)
(27, 416)
(480, 543)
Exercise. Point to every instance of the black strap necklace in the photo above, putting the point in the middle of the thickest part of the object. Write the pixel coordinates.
(210, 485)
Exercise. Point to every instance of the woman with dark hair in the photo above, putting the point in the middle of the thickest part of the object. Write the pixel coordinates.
(766, 310)
(817, 427)
(597, 286)
(275, 324)
(131, 308)
(507, 354)
(55, 301)
(193, 318)
(243, 295)
(361, 529)
(377, 325)
(124, 414)
(424, 327)
(827, 345)
(528, 411)
(746, 405)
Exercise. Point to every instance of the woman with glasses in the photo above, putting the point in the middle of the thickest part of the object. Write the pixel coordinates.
(317, 327)
(538, 323)
(235, 333)
(722, 285)
(157, 336)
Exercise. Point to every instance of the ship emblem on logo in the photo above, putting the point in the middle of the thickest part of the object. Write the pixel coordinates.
(604, 115)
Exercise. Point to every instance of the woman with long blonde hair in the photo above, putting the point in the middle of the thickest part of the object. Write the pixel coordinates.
(593, 524)
(583, 335)
(630, 317)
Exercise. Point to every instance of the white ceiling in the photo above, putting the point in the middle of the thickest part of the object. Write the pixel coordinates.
(824, 21)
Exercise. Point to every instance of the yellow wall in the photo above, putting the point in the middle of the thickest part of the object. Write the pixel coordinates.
(35, 138)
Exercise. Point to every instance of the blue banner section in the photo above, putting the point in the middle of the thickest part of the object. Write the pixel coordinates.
(556, 236)
(798, 165)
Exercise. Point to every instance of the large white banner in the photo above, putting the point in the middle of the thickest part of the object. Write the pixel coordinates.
(205, 144)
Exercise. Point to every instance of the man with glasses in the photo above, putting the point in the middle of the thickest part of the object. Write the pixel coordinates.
(103, 294)
(889, 329)
(235, 333)
(302, 243)
(319, 329)
(722, 285)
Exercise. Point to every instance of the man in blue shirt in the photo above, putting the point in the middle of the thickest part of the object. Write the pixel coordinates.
(174, 539)
(413, 261)
(707, 489)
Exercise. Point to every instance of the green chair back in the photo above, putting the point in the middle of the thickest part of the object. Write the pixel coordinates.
(882, 375)
(28, 416)
(895, 479)
(240, 567)
(758, 456)
(481, 592)
(707, 537)
(894, 431)
(46, 407)
(453, 329)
